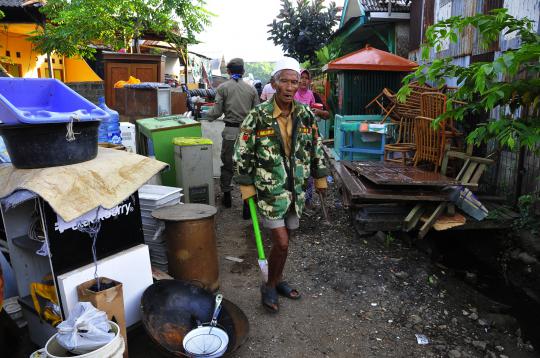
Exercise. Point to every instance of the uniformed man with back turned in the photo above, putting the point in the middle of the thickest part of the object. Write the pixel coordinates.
(234, 99)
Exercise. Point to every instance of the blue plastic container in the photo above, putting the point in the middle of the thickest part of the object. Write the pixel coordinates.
(43, 100)
(110, 127)
(103, 130)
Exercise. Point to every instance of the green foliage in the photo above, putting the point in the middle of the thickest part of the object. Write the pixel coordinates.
(303, 29)
(260, 70)
(74, 25)
(509, 84)
(329, 52)
(389, 239)
(527, 220)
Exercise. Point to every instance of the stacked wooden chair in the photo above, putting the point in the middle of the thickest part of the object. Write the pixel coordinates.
(430, 138)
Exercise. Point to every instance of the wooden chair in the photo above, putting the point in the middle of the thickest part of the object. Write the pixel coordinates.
(430, 142)
(471, 171)
(432, 105)
(386, 100)
(391, 107)
(405, 142)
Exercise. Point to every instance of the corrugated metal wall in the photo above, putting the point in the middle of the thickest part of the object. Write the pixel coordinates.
(484, 7)
(502, 178)
(360, 87)
(465, 40)
(520, 9)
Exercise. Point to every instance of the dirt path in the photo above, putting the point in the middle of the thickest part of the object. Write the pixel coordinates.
(361, 297)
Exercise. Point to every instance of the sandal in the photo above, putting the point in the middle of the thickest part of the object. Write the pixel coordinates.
(269, 299)
(285, 290)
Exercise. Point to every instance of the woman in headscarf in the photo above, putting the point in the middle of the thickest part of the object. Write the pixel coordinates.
(305, 95)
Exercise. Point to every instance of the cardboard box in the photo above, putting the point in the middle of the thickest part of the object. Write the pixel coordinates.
(110, 300)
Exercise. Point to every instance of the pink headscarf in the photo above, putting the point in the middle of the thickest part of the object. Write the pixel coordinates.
(305, 96)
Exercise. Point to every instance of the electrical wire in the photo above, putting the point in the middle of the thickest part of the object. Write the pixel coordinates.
(92, 229)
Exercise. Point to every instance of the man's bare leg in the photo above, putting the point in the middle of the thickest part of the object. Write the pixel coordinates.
(278, 255)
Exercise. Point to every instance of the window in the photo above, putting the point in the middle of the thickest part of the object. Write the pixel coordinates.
(58, 73)
(13, 69)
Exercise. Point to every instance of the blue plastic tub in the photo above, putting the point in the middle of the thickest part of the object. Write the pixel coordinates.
(43, 100)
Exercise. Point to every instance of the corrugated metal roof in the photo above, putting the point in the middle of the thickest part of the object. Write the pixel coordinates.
(382, 5)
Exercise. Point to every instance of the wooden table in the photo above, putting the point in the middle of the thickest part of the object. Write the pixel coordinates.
(359, 189)
(392, 174)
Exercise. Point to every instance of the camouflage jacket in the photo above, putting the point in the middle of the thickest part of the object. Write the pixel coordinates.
(260, 159)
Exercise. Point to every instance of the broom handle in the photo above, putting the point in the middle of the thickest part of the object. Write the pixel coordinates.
(256, 229)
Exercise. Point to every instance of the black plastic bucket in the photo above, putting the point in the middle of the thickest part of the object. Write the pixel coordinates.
(45, 145)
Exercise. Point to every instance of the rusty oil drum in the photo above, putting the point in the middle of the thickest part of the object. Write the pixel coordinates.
(191, 243)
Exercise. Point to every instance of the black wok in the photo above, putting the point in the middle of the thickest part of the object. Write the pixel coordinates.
(171, 307)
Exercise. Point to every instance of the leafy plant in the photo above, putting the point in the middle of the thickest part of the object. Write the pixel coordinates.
(303, 29)
(74, 27)
(330, 52)
(527, 220)
(509, 85)
(389, 239)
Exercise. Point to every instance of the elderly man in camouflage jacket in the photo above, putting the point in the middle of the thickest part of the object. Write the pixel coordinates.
(276, 152)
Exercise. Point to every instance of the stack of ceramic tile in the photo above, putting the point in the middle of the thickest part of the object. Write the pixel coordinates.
(153, 197)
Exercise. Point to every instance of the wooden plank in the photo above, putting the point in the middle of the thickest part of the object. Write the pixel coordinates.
(465, 156)
(429, 223)
(380, 218)
(412, 218)
(348, 181)
(463, 169)
(478, 174)
(446, 222)
(469, 172)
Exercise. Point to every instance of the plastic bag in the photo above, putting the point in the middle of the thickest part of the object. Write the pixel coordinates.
(85, 330)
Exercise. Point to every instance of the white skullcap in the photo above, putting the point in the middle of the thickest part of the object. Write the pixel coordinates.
(286, 63)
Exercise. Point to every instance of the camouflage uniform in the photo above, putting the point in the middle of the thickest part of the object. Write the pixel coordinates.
(260, 159)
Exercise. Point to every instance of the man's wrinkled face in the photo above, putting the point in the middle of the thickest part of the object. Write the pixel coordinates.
(286, 86)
